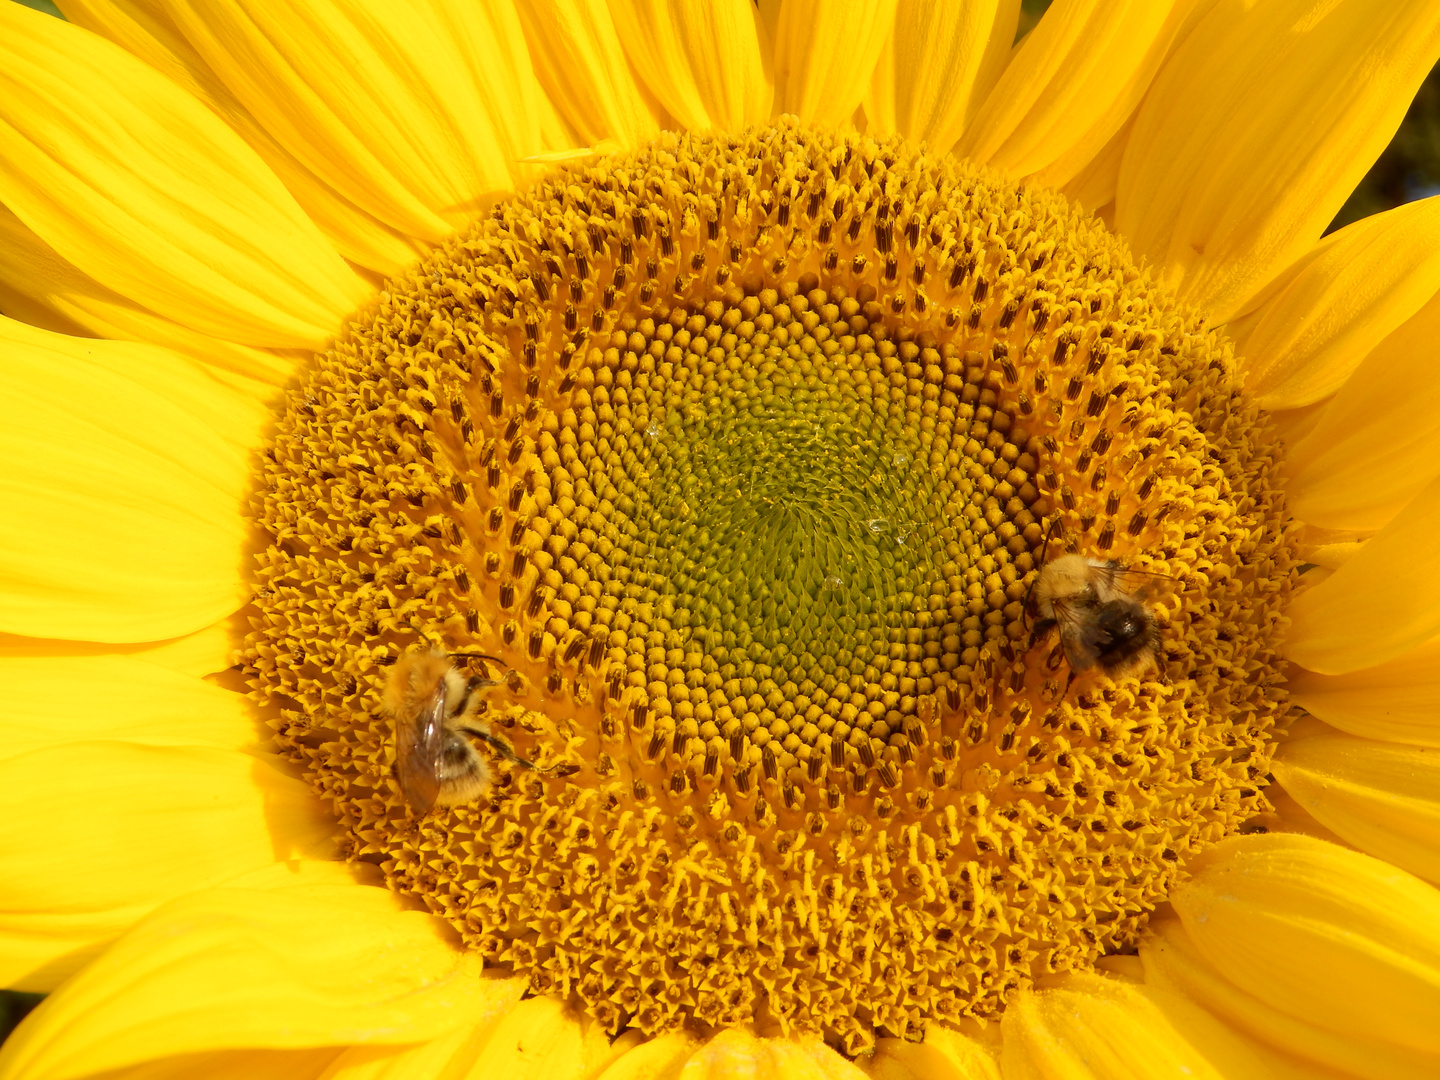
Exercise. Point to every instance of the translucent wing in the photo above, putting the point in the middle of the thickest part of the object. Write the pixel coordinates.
(1080, 636)
(419, 744)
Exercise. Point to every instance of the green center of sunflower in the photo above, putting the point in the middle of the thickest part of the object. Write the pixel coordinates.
(744, 455)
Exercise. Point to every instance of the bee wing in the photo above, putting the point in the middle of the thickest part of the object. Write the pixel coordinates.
(1081, 638)
(419, 746)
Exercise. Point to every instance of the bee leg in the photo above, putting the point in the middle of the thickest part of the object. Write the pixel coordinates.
(1069, 679)
(1041, 628)
(501, 748)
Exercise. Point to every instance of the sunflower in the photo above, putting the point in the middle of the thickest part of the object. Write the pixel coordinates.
(690, 411)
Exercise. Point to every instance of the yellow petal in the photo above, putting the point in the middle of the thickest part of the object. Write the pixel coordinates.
(944, 1055)
(39, 287)
(702, 62)
(1257, 129)
(1398, 701)
(736, 1052)
(51, 701)
(114, 829)
(380, 100)
(1337, 303)
(652, 1059)
(534, 1038)
(541, 1039)
(580, 62)
(1378, 442)
(278, 969)
(1361, 615)
(1071, 85)
(940, 62)
(1090, 1026)
(1094, 186)
(1382, 797)
(1341, 940)
(202, 653)
(122, 496)
(147, 192)
(825, 54)
(233, 1065)
(1297, 1049)
(147, 32)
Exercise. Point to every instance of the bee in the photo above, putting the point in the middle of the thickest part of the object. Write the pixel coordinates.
(1102, 625)
(435, 707)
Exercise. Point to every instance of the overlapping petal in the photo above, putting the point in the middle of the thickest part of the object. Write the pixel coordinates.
(281, 969)
(1398, 700)
(1093, 1027)
(705, 63)
(121, 499)
(1299, 1049)
(1257, 129)
(1382, 797)
(149, 33)
(581, 63)
(146, 191)
(944, 1054)
(412, 112)
(1377, 442)
(825, 53)
(1326, 935)
(38, 287)
(1357, 618)
(1336, 305)
(1071, 84)
(147, 823)
(940, 62)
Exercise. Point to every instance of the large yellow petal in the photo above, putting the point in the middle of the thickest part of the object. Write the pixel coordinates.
(1327, 935)
(1257, 129)
(702, 61)
(581, 63)
(1090, 1027)
(100, 833)
(537, 1038)
(1382, 797)
(1172, 960)
(944, 1055)
(379, 99)
(144, 29)
(1071, 85)
(39, 287)
(737, 1052)
(825, 54)
(1378, 441)
(652, 1059)
(940, 62)
(51, 701)
(542, 1039)
(278, 969)
(205, 652)
(1336, 304)
(121, 499)
(1362, 615)
(1398, 701)
(147, 192)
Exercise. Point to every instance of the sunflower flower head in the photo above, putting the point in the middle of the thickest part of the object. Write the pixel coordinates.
(742, 454)
(666, 541)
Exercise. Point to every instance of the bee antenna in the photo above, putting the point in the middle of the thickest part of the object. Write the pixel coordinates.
(476, 656)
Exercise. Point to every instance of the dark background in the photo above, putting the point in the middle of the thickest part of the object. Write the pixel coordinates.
(1408, 169)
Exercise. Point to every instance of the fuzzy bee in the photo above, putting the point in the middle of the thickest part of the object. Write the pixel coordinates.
(435, 709)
